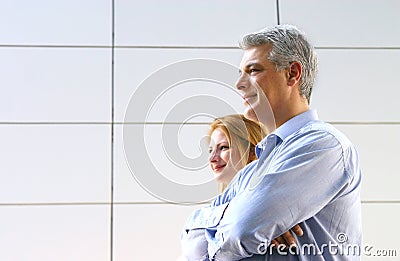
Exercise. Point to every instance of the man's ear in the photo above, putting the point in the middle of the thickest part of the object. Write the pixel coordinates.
(294, 71)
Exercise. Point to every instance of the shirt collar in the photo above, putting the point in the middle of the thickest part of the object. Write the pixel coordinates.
(295, 123)
(286, 129)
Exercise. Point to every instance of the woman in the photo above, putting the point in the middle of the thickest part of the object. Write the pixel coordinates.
(232, 140)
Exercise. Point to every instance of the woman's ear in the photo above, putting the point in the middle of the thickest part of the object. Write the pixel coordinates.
(294, 71)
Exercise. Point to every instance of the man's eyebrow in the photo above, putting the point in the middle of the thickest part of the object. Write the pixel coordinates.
(252, 64)
(249, 65)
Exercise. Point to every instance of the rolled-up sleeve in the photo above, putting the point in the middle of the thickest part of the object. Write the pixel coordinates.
(193, 240)
(194, 245)
(206, 217)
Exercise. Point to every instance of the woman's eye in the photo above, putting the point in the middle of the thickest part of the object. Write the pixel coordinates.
(224, 148)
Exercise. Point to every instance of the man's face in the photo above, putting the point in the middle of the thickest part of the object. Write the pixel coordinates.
(262, 87)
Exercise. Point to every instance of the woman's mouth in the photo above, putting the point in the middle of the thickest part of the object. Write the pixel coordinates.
(219, 168)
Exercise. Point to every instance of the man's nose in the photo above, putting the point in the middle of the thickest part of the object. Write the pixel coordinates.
(242, 82)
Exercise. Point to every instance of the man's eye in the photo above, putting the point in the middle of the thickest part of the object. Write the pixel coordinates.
(253, 70)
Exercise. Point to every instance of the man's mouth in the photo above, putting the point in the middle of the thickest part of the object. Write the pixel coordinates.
(249, 97)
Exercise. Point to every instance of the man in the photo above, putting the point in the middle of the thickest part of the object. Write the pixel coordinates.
(307, 173)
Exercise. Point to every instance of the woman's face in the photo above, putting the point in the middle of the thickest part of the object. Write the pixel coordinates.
(224, 160)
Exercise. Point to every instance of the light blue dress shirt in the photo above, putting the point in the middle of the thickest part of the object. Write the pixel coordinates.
(307, 173)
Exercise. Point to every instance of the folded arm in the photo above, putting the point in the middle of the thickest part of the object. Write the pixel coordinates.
(297, 186)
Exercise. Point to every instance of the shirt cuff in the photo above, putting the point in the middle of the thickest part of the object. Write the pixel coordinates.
(206, 217)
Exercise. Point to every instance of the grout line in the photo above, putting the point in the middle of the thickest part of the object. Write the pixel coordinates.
(202, 123)
(116, 46)
(364, 123)
(54, 123)
(49, 204)
(127, 203)
(357, 48)
(53, 46)
(176, 47)
(65, 204)
(112, 129)
(210, 47)
(178, 123)
(380, 201)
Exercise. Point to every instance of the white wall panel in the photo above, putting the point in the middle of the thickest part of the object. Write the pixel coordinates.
(49, 233)
(380, 231)
(62, 22)
(54, 163)
(165, 162)
(126, 187)
(357, 86)
(367, 23)
(53, 84)
(378, 150)
(346, 87)
(133, 66)
(194, 23)
(149, 232)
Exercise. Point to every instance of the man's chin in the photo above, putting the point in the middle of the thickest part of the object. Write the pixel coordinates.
(250, 114)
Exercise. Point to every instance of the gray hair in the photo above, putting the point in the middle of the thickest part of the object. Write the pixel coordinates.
(289, 44)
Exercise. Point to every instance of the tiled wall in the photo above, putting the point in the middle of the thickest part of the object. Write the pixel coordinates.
(66, 191)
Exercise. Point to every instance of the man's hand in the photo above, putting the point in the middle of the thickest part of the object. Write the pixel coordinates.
(287, 238)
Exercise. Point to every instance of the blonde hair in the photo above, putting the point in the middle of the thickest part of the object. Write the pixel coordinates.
(242, 133)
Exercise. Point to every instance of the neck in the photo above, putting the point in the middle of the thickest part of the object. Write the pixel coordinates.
(291, 111)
